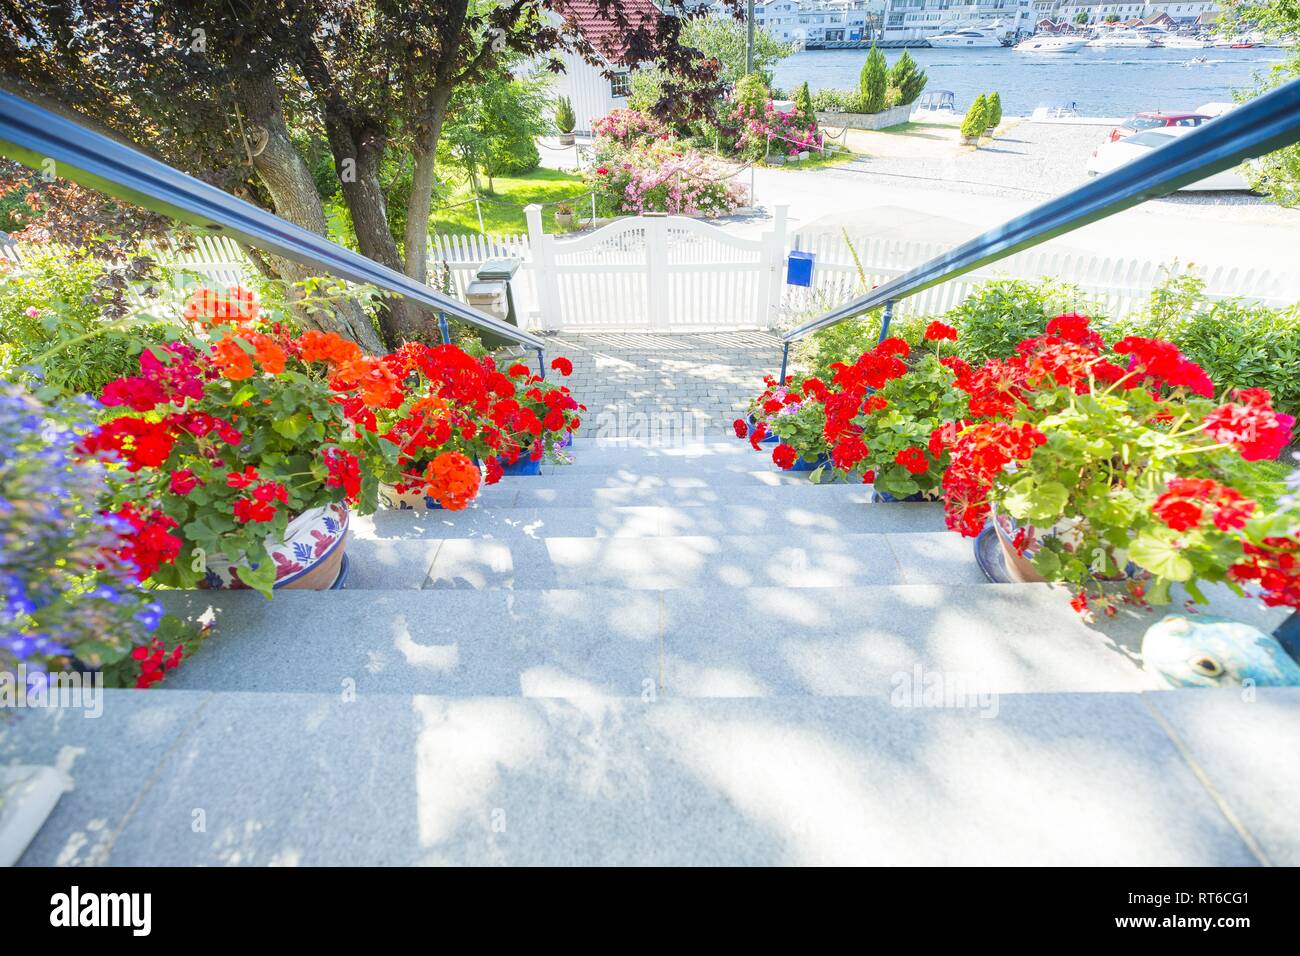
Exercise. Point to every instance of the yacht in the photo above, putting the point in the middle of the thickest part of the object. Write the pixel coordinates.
(1122, 38)
(1049, 43)
(961, 39)
(1174, 42)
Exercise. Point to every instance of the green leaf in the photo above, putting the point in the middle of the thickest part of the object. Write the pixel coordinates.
(261, 577)
(292, 426)
(1160, 557)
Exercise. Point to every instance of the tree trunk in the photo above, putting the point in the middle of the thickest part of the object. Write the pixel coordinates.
(293, 192)
(400, 319)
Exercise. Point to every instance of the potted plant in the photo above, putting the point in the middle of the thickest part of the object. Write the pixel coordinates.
(442, 429)
(771, 400)
(975, 121)
(1110, 464)
(895, 441)
(563, 215)
(241, 452)
(565, 120)
(792, 416)
(538, 420)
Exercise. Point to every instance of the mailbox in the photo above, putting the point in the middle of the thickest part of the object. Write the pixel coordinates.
(799, 268)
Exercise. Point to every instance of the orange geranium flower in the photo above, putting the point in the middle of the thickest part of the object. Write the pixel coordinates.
(231, 360)
(453, 480)
(378, 384)
(328, 347)
(268, 353)
(236, 306)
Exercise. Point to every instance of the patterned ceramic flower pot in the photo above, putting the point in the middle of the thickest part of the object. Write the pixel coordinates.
(1020, 565)
(390, 497)
(310, 557)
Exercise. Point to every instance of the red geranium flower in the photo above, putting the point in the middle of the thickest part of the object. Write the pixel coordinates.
(938, 332)
(913, 459)
(784, 456)
(562, 365)
(740, 428)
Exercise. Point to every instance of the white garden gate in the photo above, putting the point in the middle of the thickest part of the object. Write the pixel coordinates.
(657, 272)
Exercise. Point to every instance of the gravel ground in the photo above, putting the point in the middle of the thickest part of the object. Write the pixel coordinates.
(1031, 160)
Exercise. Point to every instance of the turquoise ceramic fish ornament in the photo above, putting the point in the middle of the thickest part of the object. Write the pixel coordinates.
(1206, 651)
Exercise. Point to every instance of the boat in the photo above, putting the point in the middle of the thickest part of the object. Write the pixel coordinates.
(1058, 110)
(1197, 61)
(1121, 38)
(1173, 41)
(936, 101)
(964, 39)
(1238, 42)
(1050, 43)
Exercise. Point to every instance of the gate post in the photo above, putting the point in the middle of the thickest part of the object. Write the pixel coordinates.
(548, 282)
(656, 278)
(773, 259)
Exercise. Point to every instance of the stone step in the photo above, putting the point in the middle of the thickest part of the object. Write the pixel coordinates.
(565, 491)
(822, 515)
(1159, 779)
(690, 561)
(730, 471)
(757, 641)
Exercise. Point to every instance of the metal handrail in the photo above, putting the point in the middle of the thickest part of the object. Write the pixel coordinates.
(1269, 122)
(35, 136)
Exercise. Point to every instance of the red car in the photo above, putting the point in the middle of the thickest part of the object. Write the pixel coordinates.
(1154, 120)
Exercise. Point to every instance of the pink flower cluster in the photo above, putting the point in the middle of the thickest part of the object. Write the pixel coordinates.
(626, 126)
(785, 131)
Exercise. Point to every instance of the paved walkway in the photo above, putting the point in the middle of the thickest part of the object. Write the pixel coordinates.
(663, 388)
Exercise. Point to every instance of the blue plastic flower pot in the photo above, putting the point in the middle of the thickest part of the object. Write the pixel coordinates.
(524, 466)
(803, 464)
(767, 440)
(885, 496)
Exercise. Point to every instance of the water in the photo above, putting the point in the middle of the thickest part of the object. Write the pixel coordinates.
(1103, 82)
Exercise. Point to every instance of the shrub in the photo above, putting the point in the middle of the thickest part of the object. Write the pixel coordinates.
(627, 126)
(1240, 344)
(908, 78)
(977, 119)
(752, 93)
(564, 118)
(56, 317)
(873, 83)
(803, 104)
(834, 101)
(994, 104)
(659, 175)
(999, 314)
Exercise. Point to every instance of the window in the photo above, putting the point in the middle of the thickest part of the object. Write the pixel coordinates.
(620, 84)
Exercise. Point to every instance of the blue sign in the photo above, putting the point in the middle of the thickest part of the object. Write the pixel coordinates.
(799, 268)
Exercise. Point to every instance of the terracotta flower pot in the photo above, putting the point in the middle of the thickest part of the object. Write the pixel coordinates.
(310, 557)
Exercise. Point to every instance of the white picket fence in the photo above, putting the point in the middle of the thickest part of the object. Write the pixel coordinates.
(1118, 286)
(672, 272)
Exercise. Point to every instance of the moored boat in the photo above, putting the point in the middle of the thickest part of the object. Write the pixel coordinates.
(1049, 43)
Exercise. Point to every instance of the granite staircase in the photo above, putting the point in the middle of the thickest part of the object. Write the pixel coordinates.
(667, 654)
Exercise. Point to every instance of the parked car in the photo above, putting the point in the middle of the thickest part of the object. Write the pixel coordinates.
(1112, 155)
(1155, 120)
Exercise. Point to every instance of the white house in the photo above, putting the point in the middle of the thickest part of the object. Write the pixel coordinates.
(592, 93)
(818, 21)
(1186, 13)
(917, 19)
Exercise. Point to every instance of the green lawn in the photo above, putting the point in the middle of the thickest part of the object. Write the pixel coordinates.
(541, 185)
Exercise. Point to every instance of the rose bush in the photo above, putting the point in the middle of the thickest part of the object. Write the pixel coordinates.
(639, 172)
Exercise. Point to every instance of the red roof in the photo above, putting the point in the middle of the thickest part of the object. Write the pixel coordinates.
(602, 31)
